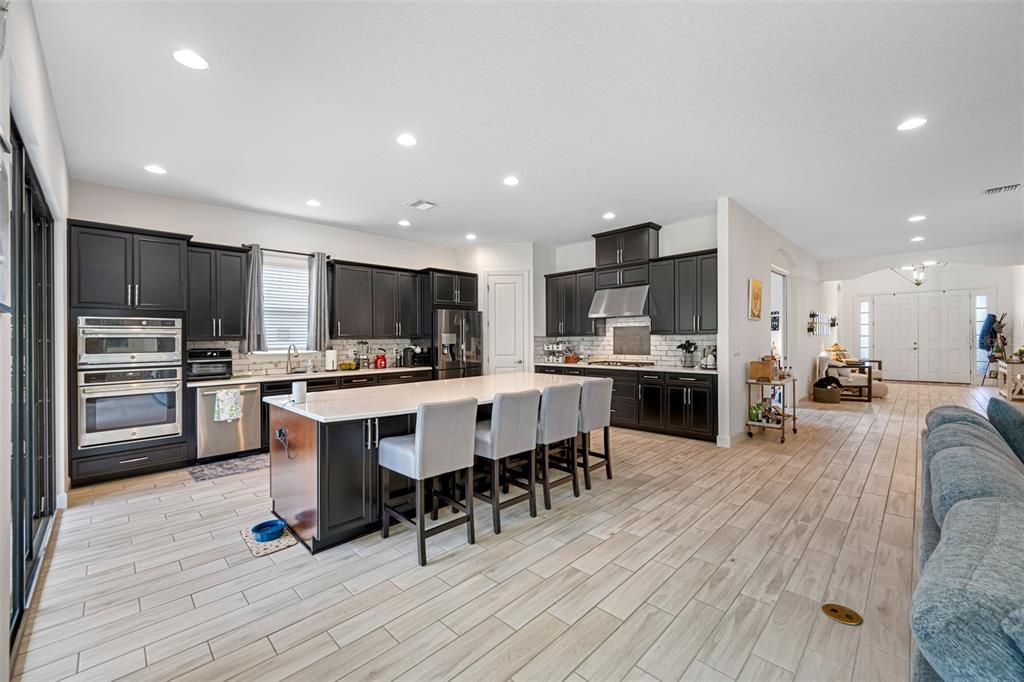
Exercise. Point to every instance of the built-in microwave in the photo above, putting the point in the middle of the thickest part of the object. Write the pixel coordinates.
(128, 341)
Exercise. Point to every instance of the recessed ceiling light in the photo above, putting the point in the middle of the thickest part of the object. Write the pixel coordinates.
(911, 123)
(155, 169)
(406, 140)
(907, 268)
(609, 216)
(929, 263)
(511, 181)
(915, 218)
(471, 236)
(313, 203)
(917, 239)
(404, 223)
(190, 59)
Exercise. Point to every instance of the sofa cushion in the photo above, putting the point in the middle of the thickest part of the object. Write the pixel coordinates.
(1009, 422)
(944, 414)
(959, 434)
(970, 473)
(1013, 625)
(969, 586)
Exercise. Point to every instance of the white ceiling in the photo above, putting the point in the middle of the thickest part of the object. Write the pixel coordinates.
(648, 110)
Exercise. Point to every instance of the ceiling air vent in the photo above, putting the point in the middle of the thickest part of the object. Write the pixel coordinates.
(420, 204)
(1000, 190)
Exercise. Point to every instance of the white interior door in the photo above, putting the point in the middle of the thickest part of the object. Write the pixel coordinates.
(896, 334)
(945, 336)
(506, 322)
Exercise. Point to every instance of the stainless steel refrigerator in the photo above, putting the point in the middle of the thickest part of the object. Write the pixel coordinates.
(458, 344)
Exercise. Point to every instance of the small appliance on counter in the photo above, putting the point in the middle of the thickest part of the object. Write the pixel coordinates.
(380, 360)
(208, 363)
(710, 360)
(330, 360)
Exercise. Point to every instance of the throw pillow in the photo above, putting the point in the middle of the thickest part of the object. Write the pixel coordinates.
(1009, 422)
(1013, 625)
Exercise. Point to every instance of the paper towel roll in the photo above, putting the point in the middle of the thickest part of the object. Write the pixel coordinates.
(298, 392)
(330, 360)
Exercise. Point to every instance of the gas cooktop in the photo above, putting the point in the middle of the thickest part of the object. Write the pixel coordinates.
(621, 363)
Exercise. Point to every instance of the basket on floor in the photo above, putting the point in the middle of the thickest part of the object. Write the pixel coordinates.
(828, 395)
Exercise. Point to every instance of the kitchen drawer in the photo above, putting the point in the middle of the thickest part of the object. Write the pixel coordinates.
(549, 370)
(650, 377)
(690, 379)
(277, 387)
(103, 467)
(403, 378)
(356, 382)
(326, 384)
(574, 371)
(624, 411)
(624, 382)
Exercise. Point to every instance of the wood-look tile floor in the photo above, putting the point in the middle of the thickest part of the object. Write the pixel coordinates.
(693, 563)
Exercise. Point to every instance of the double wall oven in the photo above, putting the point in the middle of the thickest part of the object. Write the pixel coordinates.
(129, 379)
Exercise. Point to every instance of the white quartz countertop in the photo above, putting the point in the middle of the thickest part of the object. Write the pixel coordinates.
(649, 368)
(387, 401)
(262, 378)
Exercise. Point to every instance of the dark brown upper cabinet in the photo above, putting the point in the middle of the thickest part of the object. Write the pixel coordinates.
(627, 245)
(217, 283)
(452, 289)
(585, 287)
(118, 268)
(352, 309)
(395, 310)
(684, 294)
(568, 296)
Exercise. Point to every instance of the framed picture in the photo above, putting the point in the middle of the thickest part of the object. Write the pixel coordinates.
(755, 299)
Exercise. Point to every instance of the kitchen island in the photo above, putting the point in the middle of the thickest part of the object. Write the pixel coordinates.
(323, 453)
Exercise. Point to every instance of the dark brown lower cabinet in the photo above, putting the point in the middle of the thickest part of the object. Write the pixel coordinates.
(680, 404)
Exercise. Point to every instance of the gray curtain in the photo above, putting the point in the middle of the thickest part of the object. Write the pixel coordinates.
(319, 315)
(255, 338)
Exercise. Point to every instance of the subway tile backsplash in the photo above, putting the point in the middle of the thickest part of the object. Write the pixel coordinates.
(256, 364)
(663, 346)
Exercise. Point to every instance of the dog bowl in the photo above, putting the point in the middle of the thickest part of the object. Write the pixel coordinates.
(268, 530)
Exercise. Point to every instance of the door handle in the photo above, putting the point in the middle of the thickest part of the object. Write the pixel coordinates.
(519, 362)
(133, 460)
(241, 390)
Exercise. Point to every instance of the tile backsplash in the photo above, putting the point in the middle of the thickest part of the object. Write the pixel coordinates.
(663, 346)
(276, 363)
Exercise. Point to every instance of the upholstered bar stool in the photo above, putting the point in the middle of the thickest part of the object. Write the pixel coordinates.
(442, 444)
(510, 431)
(595, 413)
(557, 426)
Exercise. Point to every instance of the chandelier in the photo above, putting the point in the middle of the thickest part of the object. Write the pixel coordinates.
(917, 274)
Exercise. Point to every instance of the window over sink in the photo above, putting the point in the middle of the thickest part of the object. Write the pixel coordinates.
(285, 300)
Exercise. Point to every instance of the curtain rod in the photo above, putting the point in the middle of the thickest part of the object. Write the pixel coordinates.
(293, 253)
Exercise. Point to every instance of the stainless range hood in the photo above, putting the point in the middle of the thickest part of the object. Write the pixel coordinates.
(621, 302)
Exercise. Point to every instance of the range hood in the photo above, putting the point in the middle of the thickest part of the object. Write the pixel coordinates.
(621, 302)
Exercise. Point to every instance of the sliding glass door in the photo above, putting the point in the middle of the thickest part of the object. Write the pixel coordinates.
(32, 377)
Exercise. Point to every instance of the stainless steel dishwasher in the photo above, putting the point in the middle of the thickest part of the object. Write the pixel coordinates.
(224, 438)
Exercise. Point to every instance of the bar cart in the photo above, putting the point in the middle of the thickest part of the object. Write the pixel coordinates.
(784, 412)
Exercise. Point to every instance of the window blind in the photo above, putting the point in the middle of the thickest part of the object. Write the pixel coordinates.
(285, 300)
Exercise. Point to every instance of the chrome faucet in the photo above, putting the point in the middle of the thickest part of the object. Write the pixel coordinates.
(292, 352)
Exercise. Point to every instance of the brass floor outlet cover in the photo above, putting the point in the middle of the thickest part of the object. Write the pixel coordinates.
(843, 614)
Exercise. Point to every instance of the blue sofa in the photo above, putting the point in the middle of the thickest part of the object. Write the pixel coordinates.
(967, 615)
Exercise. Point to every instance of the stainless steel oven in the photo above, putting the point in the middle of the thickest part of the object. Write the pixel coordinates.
(128, 404)
(136, 341)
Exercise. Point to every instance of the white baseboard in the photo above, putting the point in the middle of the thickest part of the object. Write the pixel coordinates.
(62, 501)
(723, 442)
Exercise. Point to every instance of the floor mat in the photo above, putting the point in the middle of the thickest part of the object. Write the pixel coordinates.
(264, 548)
(229, 467)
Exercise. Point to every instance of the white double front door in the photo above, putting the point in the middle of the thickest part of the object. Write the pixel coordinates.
(924, 336)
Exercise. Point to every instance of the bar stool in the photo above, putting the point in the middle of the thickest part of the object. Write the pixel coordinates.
(510, 431)
(559, 418)
(595, 413)
(442, 444)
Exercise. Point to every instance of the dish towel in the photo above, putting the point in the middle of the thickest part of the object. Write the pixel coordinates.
(227, 405)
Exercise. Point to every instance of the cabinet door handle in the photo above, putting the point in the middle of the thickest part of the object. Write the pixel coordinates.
(337, 324)
(133, 460)
(376, 440)
(214, 320)
(366, 433)
(129, 295)
(698, 322)
(136, 294)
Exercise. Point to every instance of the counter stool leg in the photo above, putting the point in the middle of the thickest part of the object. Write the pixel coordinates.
(421, 540)
(547, 477)
(495, 507)
(571, 461)
(586, 460)
(385, 518)
(532, 477)
(608, 452)
(432, 491)
(504, 476)
(471, 529)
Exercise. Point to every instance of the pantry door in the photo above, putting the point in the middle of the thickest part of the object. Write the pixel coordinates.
(945, 336)
(896, 336)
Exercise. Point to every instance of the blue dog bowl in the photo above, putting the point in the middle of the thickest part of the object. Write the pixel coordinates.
(267, 530)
